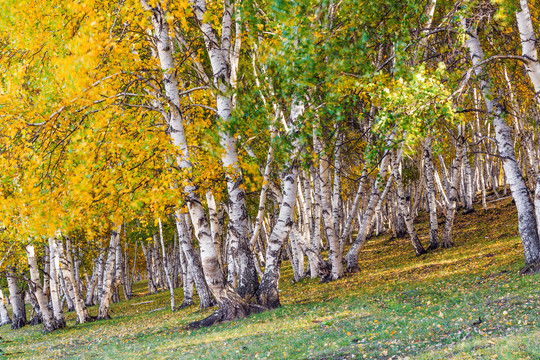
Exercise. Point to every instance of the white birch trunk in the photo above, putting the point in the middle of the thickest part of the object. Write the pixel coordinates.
(431, 197)
(453, 196)
(402, 203)
(232, 306)
(17, 302)
(334, 255)
(352, 255)
(527, 223)
(4, 316)
(529, 44)
(267, 294)
(167, 274)
(193, 263)
(49, 322)
(247, 281)
(108, 276)
(53, 283)
(67, 270)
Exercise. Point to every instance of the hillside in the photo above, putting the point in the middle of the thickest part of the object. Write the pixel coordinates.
(467, 302)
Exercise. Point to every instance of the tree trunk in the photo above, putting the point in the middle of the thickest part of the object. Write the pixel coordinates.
(527, 223)
(4, 316)
(53, 283)
(432, 204)
(17, 301)
(91, 287)
(529, 45)
(193, 262)
(453, 196)
(334, 255)
(66, 266)
(167, 274)
(402, 203)
(352, 255)
(49, 322)
(268, 294)
(108, 276)
(218, 52)
(231, 305)
(187, 281)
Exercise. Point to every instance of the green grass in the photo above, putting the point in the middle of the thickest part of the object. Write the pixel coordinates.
(399, 306)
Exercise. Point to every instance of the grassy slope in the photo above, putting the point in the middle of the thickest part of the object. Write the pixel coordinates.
(398, 306)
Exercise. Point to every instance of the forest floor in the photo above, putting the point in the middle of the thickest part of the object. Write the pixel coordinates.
(467, 302)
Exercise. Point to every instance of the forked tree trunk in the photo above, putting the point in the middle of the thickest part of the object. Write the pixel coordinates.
(352, 255)
(219, 54)
(49, 322)
(231, 305)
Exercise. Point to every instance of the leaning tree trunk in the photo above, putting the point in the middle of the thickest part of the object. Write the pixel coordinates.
(66, 265)
(193, 263)
(231, 305)
(17, 302)
(352, 255)
(108, 276)
(268, 294)
(4, 316)
(49, 322)
(527, 223)
(529, 45)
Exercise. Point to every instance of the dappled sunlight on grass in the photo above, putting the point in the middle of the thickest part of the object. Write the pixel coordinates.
(397, 305)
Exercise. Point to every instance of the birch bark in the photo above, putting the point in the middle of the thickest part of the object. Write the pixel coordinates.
(66, 265)
(527, 222)
(49, 322)
(431, 197)
(402, 203)
(4, 316)
(108, 276)
(218, 52)
(231, 305)
(54, 268)
(167, 274)
(352, 255)
(17, 301)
